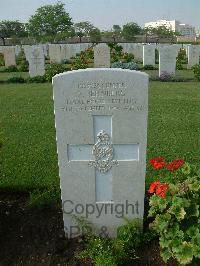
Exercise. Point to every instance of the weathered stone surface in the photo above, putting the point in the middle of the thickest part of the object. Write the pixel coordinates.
(101, 125)
(101, 56)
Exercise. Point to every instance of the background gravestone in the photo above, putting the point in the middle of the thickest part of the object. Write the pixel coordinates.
(36, 60)
(138, 52)
(9, 56)
(17, 49)
(167, 59)
(101, 56)
(193, 55)
(101, 125)
(149, 55)
(55, 53)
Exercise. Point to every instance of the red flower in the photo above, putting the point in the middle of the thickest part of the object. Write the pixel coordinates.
(161, 190)
(158, 188)
(153, 186)
(158, 163)
(175, 165)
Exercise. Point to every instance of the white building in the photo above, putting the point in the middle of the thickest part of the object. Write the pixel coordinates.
(198, 32)
(174, 25)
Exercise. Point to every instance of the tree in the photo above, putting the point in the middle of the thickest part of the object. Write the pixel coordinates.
(130, 30)
(147, 31)
(83, 29)
(116, 28)
(116, 32)
(49, 20)
(10, 29)
(164, 32)
(95, 35)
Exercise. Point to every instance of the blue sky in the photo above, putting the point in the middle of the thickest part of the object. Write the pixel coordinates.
(105, 13)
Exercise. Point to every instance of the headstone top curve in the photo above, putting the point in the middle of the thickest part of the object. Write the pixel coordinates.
(99, 70)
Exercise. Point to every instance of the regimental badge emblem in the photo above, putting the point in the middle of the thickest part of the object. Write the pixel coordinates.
(103, 153)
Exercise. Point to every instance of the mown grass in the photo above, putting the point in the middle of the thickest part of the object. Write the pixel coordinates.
(28, 156)
(4, 76)
(180, 74)
(174, 121)
(29, 159)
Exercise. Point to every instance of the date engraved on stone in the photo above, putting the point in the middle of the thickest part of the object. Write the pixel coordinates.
(103, 153)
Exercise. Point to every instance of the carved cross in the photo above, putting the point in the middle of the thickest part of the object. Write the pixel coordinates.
(103, 155)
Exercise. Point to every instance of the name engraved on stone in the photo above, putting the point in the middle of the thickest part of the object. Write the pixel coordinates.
(102, 96)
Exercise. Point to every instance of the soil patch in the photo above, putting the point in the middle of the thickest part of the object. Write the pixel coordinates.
(31, 236)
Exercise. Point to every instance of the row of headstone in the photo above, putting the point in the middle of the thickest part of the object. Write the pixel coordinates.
(60, 52)
(167, 55)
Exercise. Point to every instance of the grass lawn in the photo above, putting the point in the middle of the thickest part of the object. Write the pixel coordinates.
(183, 74)
(29, 159)
(6, 75)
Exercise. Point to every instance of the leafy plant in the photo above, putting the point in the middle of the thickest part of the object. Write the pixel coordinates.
(174, 206)
(16, 79)
(118, 64)
(130, 65)
(2, 62)
(116, 51)
(149, 67)
(52, 70)
(11, 69)
(127, 57)
(23, 67)
(80, 63)
(196, 70)
(89, 53)
(37, 79)
(181, 54)
(21, 62)
(105, 251)
(179, 65)
(156, 56)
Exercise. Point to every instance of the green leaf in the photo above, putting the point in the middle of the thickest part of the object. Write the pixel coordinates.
(178, 212)
(185, 254)
(166, 254)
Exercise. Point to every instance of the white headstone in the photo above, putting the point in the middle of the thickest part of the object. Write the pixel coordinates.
(193, 55)
(101, 56)
(130, 48)
(17, 49)
(9, 56)
(138, 52)
(167, 59)
(72, 50)
(101, 127)
(123, 46)
(55, 53)
(77, 48)
(45, 49)
(185, 46)
(149, 55)
(35, 57)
